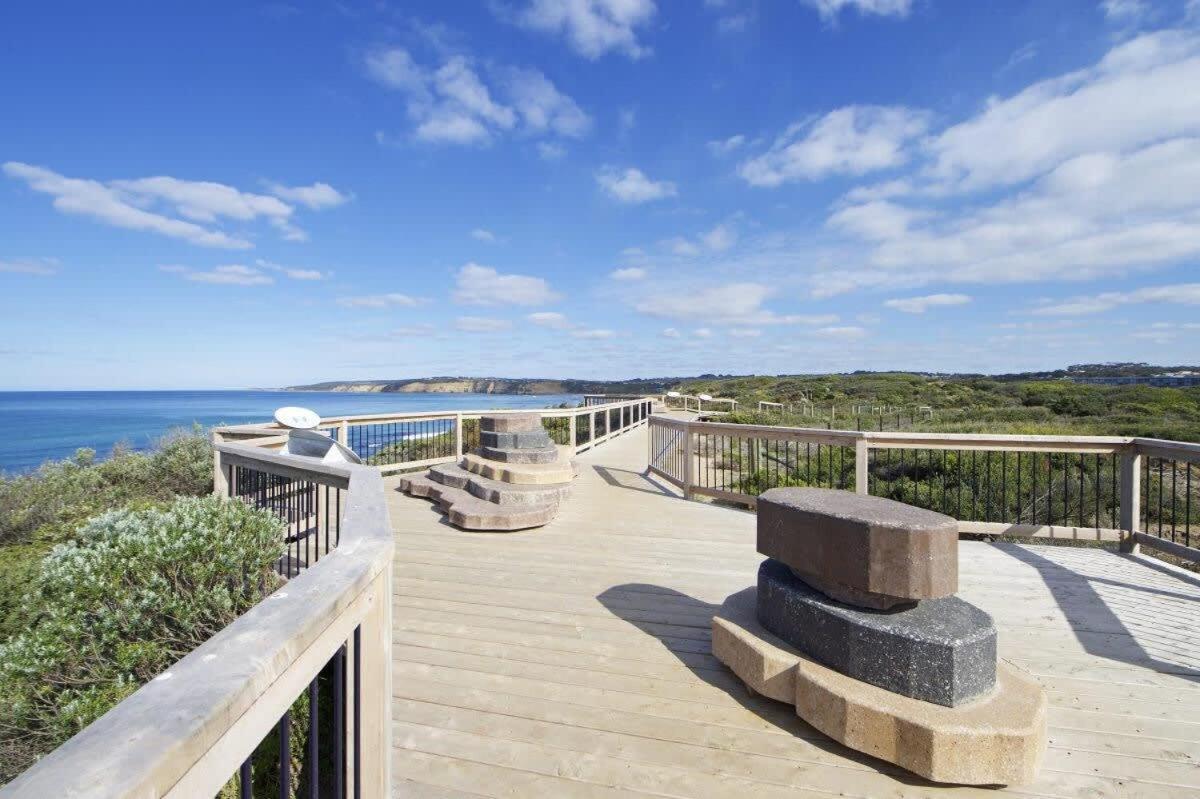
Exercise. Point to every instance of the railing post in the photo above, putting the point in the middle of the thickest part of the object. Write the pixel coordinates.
(458, 435)
(689, 466)
(862, 453)
(1131, 498)
(220, 479)
(344, 433)
(592, 422)
(571, 433)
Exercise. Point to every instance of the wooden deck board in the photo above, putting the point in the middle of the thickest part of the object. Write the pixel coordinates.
(573, 660)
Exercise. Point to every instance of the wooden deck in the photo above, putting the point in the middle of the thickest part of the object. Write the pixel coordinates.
(573, 660)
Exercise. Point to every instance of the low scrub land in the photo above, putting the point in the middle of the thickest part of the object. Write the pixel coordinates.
(966, 404)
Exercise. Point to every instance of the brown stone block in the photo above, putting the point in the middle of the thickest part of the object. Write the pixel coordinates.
(861, 550)
(511, 423)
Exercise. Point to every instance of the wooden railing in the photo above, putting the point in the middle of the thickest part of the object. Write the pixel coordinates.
(1107, 488)
(408, 441)
(697, 404)
(322, 641)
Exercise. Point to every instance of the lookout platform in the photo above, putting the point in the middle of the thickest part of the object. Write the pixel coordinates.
(573, 660)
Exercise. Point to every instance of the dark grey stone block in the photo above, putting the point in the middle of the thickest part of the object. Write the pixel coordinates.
(531, 440)
(863, 550)
(542, 455)
(940, 650)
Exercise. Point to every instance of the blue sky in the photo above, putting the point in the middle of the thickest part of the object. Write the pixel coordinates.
(242, 194)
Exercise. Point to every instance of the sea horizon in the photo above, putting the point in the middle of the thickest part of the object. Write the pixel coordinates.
(40, 426)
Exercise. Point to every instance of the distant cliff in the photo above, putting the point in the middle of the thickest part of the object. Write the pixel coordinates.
(494, 385)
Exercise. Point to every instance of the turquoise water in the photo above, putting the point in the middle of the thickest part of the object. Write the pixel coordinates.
(42, 425)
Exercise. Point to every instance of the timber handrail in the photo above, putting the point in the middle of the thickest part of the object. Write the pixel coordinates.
(187, 732)
(1058, 486)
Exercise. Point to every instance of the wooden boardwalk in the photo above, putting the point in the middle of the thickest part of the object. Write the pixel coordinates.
(573, 660)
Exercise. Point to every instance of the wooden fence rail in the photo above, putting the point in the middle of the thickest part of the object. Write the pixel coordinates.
(1106, 488)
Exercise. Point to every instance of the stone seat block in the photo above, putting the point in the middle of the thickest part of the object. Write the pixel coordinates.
(495, 491)
(511, 423)
(531, 455)
(941, 650)
(861, 550)
(999, 739)
(532, 440)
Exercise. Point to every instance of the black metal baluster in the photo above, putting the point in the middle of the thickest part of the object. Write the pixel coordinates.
(246, 780)
(339, 723)
(1174, 496)
(358, 713)
(285, 757)
(313, 764)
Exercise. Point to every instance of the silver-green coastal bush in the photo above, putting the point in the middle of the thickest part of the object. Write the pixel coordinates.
(131, 594)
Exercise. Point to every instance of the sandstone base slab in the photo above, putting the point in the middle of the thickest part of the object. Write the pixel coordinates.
(1000, 739)
(561, 471)
(941, 650)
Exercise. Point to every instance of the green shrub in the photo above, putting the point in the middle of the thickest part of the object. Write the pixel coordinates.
(135, 591)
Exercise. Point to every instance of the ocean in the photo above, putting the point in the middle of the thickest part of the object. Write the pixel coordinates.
(36, 426)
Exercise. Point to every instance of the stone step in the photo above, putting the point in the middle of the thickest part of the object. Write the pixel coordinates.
(561, 471)
(469, 512)
(496, 491)
(547, 454)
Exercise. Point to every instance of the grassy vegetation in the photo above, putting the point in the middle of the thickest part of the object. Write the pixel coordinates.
(131, 593)
(971, 404)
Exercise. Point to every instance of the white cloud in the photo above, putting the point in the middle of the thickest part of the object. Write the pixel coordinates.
(479, 234)
(1183, 294)
(726, 146)
(745, 332)
(629, 273)
(874, 220)
(481, 324)
(42, 267)
(292, 272)
(1141, 92)
(853, 140)
(592, 27)
(702, 332)
(229, 275)
(848, 332)
(731, 303)
(593, 333)
(550, 151)
(199, 206)
(720, 238)
(632, 186)
(317, 196)
(454, 104)
(483, 285)
(542, 107)
(922, 304)
(108, 204)
(671, 332)
(830, 9)
(551, 319)
(1125, 12)
(1092, 174)
(380, 301)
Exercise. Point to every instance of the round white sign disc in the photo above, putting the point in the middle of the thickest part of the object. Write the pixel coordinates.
(297, 418)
